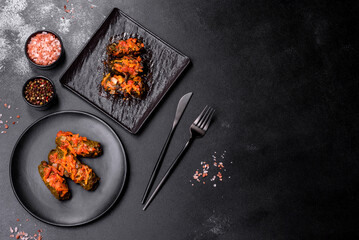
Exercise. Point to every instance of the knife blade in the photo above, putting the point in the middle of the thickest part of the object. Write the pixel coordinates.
(182, 104)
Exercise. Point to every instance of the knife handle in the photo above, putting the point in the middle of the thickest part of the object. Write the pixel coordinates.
(157, 166)
(168, 172)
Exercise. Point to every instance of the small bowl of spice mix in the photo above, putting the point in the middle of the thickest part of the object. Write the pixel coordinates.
(39, 92)
(44, 49)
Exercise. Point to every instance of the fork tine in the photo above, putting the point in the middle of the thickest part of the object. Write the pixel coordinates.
(204, 117)
(200, 116)
(208, 121)
(203, 123)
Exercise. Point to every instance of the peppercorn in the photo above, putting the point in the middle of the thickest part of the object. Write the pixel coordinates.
(39, 91)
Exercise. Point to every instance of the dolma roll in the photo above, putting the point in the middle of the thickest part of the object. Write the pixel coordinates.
(68, 165)
(54, 181)
(131, 46)
(116, 84)
(127, 65)
(77, 145)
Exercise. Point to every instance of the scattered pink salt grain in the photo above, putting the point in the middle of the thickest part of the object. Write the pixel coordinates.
(4, 123)
(215, 170)
(16, 233)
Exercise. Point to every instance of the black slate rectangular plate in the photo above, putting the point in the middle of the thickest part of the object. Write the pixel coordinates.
(84, 75)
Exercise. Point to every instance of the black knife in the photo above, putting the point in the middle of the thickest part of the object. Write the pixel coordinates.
(182, 104)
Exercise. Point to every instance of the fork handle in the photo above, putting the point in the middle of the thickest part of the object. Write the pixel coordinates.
(168, 172)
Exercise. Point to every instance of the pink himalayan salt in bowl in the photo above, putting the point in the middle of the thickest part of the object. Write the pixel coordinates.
(44, 49)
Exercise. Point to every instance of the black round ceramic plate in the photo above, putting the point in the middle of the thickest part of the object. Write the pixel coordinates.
(33, 147)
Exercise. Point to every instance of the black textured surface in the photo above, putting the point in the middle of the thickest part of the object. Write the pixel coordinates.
(84, 206)
(282, 77)
(164, 64)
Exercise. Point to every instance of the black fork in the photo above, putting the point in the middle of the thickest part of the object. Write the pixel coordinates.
(197, 129)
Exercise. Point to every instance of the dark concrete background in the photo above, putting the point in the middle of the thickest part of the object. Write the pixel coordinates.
(283, 79)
